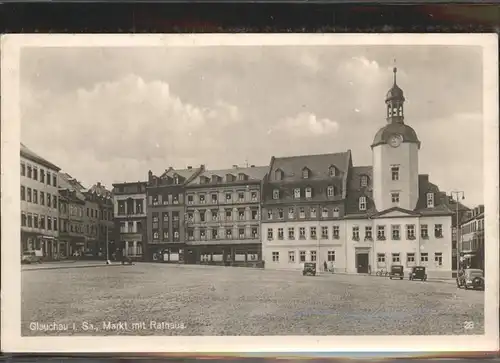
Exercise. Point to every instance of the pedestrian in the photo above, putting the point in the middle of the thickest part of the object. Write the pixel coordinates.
(325, 266)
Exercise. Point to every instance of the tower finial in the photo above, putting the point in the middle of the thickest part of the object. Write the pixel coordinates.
(395, 70)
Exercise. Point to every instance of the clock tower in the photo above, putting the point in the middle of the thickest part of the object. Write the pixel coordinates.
(395, 157)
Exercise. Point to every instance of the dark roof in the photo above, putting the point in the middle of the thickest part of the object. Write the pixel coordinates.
(395, 93)
(382, 136)
(255, 173)
(319, 166)
(30, 155)
(355, 191)
(100, 190)
(441, 200)
(183, 173)
(67, 182)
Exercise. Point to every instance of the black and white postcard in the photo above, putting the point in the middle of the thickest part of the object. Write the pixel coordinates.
(244, 192)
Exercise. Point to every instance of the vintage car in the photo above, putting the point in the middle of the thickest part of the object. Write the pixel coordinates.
(31, 257)
(418, 273)
(396, 272)
(309, 269)
(471, 278)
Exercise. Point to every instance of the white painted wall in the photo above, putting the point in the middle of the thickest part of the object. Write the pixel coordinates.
(319, 245)
(406, 156)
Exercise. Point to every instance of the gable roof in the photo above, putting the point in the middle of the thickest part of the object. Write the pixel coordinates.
(254, 173)
(31, 155)
(100, 190)
(67, 182)
(441, 200)
(318, 166)
(381, 214)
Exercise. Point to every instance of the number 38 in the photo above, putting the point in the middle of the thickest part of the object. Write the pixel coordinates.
(468, 325)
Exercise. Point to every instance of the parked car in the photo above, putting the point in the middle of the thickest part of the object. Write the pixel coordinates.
(418, 273)
(397, 271)
(31, 257)
(471, 278)
(309, 269)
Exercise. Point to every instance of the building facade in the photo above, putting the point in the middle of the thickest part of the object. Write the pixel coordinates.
(471, 247)
(166, 213)
(104, 213)
(71, 211)
(369, 217)
(223, 217)
(129, 200)
(39, 204)
(303, 209)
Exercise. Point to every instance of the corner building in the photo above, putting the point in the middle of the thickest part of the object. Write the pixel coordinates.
(381, 215)
(223, 217)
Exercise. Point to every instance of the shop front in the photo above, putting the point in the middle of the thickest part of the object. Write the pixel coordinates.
(244, 255)
(46, 245)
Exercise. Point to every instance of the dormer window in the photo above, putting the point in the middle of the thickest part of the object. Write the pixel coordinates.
(364, 181)
(362, 203)
(308, 192)
(430, 200)
(296, 193)
(276, 194)
(229, 177)
(278, 174)
(176, 179)
(332, 171)
(305, 173)
(242, 176)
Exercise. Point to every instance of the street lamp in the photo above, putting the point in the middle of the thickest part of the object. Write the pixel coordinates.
(459, 194)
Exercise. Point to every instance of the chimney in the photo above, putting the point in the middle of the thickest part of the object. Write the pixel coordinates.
(98, 184)
(190, 167)
(235, 166)
(252, 166)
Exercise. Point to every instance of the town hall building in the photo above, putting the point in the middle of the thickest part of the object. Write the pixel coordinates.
(358, 219)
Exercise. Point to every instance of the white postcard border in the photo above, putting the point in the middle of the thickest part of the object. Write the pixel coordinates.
(12, 341)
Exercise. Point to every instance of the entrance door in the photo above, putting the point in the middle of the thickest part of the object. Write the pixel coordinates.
(362, 263)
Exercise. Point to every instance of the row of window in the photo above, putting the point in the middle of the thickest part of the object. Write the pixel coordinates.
(36, 197)
(302, 256)
(228, 233)
(216, 215)
(306, 172)
(175, 232)
(32, 220)
(362, 205)
(229, 197)
(331, 191)
(130, 206)
(395, 232)
(410, 258)
(303, 212)
(473, 226)
(32, 172)
(129, 227)
(99, 214)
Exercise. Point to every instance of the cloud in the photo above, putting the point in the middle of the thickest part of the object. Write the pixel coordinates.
(124, 120)
(307, 125)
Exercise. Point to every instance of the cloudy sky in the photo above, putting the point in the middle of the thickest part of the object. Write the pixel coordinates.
(111, 115)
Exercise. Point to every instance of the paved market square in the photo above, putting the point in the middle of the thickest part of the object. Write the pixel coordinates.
(162, 299)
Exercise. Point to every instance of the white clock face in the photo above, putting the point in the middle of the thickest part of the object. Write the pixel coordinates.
(395, 140)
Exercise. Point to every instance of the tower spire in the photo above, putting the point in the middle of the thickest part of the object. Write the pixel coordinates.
(395, 70)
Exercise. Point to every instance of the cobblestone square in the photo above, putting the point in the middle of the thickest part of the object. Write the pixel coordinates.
(161, 299)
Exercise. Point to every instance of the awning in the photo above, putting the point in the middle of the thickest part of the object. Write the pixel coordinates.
(469, 255)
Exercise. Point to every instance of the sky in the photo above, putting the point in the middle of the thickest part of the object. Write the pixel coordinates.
(113, 114)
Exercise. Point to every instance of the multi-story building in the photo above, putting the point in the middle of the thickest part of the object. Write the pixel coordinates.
(223, 217)
(166, 213)
(471, 247)
(303, 210)
(104, 200)
(71, 211)
(129, 201)
(91, 223)
(39, 204)
(387, 214)
(460, 214)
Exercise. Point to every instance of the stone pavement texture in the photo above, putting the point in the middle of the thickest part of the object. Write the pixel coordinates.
(162, 299)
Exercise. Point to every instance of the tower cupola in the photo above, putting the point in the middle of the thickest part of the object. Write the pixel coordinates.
(394, 101)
